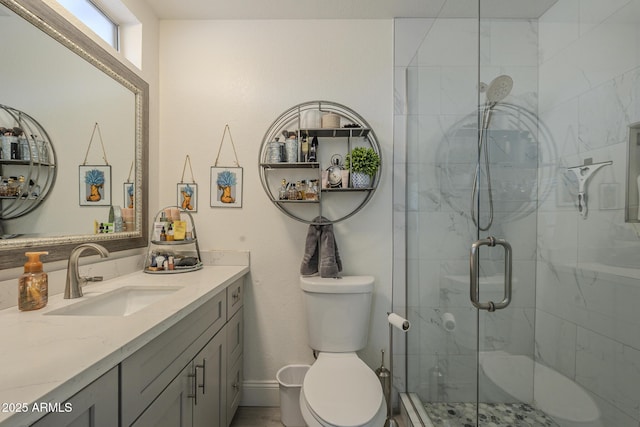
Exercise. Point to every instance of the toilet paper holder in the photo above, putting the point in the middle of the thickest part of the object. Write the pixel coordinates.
(402, 324)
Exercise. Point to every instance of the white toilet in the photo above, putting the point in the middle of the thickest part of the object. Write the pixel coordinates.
(340, 390)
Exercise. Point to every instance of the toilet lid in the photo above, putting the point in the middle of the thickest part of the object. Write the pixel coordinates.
(342, 390)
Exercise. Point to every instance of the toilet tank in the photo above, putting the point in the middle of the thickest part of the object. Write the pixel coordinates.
(338, 311)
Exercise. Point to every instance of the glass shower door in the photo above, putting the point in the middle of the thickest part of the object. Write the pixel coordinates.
(503, 259)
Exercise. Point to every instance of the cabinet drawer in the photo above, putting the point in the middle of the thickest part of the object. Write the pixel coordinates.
(234, 389)
(149, 370)
(235, 294)
(235, 329)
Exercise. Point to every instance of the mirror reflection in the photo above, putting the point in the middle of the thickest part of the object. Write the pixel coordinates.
(93, 110)
(67, 99)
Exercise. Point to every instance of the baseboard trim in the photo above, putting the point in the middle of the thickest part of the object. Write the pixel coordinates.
(260, 393)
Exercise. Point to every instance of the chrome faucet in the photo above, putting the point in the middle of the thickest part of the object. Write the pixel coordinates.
(73, 287)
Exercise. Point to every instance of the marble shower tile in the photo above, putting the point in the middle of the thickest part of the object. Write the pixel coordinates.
(555, 343)
(609, 369)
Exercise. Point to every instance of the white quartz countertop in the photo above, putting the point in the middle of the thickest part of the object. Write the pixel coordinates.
(49, 358)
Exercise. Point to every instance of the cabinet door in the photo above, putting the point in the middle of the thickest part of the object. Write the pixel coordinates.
(94, 406)
(209, 408)
(173, 407)
(148, 371)
(234, 389)
(235, 334)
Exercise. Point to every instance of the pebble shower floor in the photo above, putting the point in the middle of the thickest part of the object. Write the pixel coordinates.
(489, 415)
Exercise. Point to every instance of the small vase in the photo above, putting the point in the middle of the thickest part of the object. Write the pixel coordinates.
(360, 180)
(226, 195)
(94, 195)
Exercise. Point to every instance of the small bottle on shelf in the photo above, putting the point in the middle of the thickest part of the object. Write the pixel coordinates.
(313, 150)
(304, 149)
(292, 192)
(282, 193)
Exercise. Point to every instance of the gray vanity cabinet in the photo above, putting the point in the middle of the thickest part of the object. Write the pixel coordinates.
(182, 378)
(195, 396)
(94, 406)
(235, 334)
(209, 387)
(147, 372)
(172, 408)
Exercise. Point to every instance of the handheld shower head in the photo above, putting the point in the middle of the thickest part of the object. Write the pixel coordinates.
(498, 89)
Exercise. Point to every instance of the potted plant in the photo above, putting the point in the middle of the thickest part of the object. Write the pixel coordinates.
(363, 162)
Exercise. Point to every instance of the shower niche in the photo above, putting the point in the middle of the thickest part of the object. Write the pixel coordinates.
(632, 198)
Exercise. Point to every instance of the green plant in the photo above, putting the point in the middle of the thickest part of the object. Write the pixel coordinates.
(363, 159)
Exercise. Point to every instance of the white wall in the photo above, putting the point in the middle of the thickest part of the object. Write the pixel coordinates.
(245, 74)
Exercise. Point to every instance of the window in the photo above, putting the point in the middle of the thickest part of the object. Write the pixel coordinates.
(94, 18)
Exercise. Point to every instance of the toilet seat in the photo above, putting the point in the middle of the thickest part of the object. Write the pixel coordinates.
(341, 390)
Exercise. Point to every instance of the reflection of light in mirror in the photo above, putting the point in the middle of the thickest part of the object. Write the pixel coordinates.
(521, 150)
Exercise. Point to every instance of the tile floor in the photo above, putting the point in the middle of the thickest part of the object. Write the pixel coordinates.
(489, 414)
(253, 416)
(256, 416)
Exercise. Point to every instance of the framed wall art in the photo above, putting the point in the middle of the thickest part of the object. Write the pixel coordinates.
(187, 196)
(226, 187)
(95, 185)
(129, 196)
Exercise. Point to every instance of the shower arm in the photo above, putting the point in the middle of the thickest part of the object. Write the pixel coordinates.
(584, 173)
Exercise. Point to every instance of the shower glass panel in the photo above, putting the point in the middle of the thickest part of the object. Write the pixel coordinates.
(514, 101)
(442, 154)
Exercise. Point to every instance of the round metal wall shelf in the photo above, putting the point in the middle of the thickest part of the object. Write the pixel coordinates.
(31, 156)
(349, 130)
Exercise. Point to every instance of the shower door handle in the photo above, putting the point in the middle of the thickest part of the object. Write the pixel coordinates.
(474, 265)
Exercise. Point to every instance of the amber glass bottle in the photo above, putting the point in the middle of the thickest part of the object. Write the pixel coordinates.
(33, 285)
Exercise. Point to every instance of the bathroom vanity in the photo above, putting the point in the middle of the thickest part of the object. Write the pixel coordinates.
(173, 357)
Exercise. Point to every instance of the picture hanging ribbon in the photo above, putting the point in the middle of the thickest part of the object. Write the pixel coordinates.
(130, 170)
(128, 192)
(96, 127)
(227, 129)
(184, 168)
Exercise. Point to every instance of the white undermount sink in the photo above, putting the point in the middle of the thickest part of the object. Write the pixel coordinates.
(119, 302)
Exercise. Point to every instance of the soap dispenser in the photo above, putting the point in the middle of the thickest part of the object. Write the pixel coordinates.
(33, 285)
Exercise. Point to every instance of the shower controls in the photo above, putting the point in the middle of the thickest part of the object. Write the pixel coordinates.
(474, 272)
(584, 173)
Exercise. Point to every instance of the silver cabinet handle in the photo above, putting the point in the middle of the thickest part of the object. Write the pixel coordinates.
(194, 395)
(204, 375)
(474, 267)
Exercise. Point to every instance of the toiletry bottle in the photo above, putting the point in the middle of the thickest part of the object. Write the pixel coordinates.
(282, 193)
(313, 150)
(170, 234)
(163, 235)
(164, 220)
(33, 285)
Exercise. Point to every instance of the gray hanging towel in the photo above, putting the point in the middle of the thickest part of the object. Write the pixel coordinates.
(321, 251)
